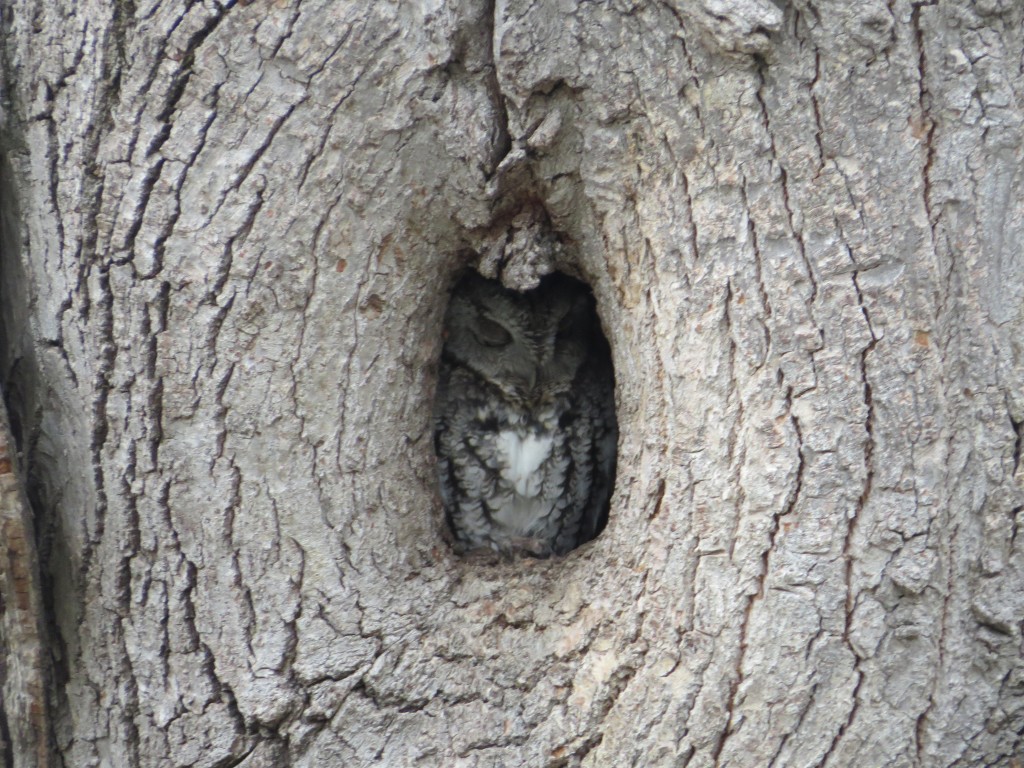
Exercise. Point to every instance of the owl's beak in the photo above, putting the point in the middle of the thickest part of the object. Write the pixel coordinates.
(526, 385)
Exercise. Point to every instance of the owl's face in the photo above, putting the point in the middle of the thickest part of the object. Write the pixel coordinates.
(529, 345)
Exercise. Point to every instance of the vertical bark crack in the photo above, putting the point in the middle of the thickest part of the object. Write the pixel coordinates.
(853, 523)
(735, 463)
(784, 176)
(1018, 428)
(761, 290)
(104, 329)
(502, 140)
(736, 453)
(925, 129)
(164, 116)
(820, 132)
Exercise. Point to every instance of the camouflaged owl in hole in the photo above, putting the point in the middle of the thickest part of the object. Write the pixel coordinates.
(525, 417)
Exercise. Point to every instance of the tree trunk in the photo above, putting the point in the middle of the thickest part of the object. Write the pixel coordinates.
(229, 233)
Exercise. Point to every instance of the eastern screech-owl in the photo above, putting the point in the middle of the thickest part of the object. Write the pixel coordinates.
(525, 417)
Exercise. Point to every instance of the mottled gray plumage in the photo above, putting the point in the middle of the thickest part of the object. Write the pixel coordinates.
(525, 417)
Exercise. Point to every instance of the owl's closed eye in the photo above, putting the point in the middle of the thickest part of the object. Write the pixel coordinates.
(490, 333)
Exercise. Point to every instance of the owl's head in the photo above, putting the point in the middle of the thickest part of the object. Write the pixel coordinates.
(530, 345)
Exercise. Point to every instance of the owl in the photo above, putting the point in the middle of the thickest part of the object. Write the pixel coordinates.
(525, 429)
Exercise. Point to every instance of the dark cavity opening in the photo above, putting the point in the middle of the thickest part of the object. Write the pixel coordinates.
(525, 427)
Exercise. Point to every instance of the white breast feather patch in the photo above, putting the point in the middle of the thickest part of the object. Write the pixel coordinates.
(521, 457)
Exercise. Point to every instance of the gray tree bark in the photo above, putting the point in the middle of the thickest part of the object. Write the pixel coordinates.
(229, 229)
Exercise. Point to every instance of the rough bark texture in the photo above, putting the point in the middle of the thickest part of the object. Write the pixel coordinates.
(24, 730)
(229, 232)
